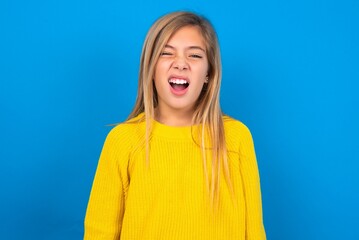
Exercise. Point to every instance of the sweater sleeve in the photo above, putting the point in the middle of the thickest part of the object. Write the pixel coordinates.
(250, 175)
(106, 204)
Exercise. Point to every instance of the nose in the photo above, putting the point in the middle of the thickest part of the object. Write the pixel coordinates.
(180, 63)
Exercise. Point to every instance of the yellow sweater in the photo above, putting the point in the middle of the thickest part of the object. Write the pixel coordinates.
(168, 199)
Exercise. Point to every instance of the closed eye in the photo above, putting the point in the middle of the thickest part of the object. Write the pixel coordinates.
(165, 54)
(195, 56)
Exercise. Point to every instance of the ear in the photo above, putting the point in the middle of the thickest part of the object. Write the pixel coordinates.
(206, 79)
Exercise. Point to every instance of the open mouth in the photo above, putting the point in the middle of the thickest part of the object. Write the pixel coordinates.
(178, 84)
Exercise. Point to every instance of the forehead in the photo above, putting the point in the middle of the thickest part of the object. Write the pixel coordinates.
(187, 36)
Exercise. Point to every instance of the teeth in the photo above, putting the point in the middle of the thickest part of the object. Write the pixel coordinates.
(178, 81)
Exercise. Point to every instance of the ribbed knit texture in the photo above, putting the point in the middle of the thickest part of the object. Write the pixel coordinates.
(167, 199)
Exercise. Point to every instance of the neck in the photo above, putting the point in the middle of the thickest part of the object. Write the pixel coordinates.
(174, 118)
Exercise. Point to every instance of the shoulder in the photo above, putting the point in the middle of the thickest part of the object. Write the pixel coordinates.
(124, 134)
(235, 126)
(236, 132)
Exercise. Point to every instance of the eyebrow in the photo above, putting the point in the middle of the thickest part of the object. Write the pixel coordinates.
(190, 47)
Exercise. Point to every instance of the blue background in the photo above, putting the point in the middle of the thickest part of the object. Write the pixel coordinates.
(291, 71)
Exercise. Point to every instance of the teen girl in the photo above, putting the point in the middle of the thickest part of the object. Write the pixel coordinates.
(177, 168)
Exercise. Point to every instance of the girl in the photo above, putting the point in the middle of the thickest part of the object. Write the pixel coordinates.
(177, 168)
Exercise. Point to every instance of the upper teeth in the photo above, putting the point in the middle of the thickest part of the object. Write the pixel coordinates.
(178, 81)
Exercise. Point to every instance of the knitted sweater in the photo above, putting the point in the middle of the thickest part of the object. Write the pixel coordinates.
(167, 199)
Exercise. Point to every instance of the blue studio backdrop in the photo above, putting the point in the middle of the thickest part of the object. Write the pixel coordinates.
(291, 71)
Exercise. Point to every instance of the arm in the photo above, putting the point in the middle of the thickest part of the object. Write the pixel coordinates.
(249, 170)
(106, 204)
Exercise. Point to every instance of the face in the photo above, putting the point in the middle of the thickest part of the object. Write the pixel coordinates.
(181, 71)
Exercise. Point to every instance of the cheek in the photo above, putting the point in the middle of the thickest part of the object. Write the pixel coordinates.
(204, 67)
(202, 72)
(161, 69)
(157, 72)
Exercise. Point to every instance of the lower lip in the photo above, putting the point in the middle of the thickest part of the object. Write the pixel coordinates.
(178, 92)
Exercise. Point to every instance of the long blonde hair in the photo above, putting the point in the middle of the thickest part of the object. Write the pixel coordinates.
(207, 112)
